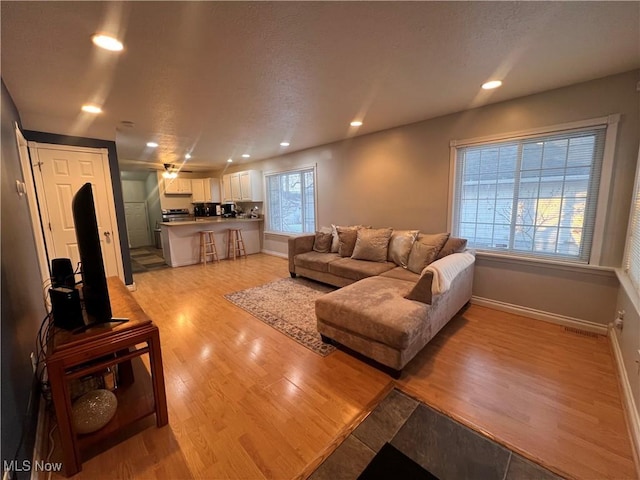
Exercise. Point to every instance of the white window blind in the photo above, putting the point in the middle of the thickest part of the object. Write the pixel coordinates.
(291, 204)
(531, 196)
(632, 258)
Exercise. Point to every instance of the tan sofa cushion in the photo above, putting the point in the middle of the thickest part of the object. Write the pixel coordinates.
(347, 240)
(375, 308)
(425, 250)
(421, 291)
(358, 269)
(401, 274)
(322, 242)
(400, 246)
(452, 245)
(315, 260)
(372, 244)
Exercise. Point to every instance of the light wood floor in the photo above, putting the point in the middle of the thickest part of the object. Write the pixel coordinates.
(247, 402)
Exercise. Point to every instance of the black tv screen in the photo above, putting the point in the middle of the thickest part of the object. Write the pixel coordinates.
(94, 281)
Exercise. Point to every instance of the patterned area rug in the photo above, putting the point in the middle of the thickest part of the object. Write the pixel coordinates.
(288, 305)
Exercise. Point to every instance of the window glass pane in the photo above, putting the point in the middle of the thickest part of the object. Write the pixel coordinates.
(291, 202)
(551, 182)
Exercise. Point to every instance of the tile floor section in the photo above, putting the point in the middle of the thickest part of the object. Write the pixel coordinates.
(444, 447)
(145, 259)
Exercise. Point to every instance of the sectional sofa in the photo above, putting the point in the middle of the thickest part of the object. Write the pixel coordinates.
(398, 287)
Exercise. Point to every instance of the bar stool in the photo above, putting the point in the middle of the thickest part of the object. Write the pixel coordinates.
(235, 244)
(208, 246)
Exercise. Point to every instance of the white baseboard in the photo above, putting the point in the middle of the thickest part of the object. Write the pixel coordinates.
(274, 253)
(633, 416)
(132, 287)
(40, 443)
(541, 315)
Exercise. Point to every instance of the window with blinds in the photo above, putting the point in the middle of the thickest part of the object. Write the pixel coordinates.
(632, 257)
(530, 196)
(291, 201)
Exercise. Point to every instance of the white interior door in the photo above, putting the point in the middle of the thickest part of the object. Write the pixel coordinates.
(63, 170)
(137, 224)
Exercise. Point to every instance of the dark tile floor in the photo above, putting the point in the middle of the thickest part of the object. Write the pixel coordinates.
(145, 259)
(444, 447)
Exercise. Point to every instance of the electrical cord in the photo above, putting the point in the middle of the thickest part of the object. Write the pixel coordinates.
(52, 443)
(35, 382)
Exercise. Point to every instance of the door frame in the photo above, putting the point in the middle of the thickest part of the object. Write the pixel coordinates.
(32, 202)
(39, 197)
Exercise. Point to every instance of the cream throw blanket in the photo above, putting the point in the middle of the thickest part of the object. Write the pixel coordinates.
(446, 269)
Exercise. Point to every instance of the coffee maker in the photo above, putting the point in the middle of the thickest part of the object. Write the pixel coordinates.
(228, 210)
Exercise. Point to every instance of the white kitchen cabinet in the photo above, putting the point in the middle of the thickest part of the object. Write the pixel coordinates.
(243, 186)
(177, 186)
(205, 190)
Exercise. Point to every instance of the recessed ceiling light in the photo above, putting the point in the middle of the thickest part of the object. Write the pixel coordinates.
(491, 85)
(229, 160)
(284, 144)
(356, 123)
(187, 156)
(245, 155)
(152, 144)
(91, 109)
(107, 42)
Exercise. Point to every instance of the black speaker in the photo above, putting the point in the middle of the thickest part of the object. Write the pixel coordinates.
(66, 308)
(62, 273)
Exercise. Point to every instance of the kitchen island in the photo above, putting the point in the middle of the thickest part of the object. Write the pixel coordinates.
(181, 240)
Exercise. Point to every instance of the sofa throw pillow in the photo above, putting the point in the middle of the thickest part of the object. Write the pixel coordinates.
(347, 237)
(421, 291)
(372, 244)
(452, 245)
(400, 246)
(335, 243)
(425, 250)
(322, 242)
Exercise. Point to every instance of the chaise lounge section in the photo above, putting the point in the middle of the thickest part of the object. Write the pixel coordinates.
(384, 310)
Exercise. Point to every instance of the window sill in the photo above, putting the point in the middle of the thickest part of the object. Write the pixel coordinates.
(546, 263)
(284, 234)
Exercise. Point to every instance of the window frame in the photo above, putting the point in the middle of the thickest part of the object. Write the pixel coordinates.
(298, 169)
(631, 285)
(610, 122)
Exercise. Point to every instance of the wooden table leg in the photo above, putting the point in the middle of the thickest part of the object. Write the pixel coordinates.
(62, 404)
(157, 374)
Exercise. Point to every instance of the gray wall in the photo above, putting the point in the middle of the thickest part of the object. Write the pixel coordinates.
(22, 304)
(629, 341)
(400, 178)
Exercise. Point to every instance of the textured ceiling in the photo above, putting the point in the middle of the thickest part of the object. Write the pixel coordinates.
(220, 79)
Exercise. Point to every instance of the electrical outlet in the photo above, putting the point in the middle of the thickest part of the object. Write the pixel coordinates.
(34, 363)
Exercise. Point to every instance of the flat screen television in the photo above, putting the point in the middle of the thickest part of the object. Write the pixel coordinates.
(94, 281)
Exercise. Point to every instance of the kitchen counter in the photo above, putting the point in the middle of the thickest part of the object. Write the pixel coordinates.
(181, 240)
(207, 220)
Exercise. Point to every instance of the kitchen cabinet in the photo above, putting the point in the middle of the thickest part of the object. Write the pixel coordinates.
(205, 190)
(243, 186)
(177, 186)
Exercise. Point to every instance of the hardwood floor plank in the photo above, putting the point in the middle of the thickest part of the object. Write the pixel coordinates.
(246, 401)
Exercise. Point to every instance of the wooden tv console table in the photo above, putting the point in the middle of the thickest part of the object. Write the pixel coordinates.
(72, 356)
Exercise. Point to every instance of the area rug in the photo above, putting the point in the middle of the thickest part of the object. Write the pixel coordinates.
(288, 305)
